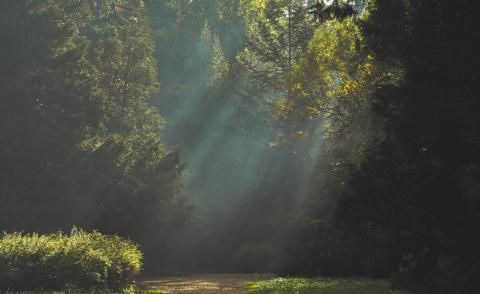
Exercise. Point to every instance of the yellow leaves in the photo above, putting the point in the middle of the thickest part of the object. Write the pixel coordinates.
(368, 68)
(341, 68)
(301, 133)
(299, 91)
(284, 108)
(303, 93)
(252, 8)
(336, 43)
(289, 136)
(348, 88)
(332, 81)
(313, 111)
(273, 145)
(254, 4)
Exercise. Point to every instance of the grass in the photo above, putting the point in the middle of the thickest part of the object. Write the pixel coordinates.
(295, 286)
(320, 286)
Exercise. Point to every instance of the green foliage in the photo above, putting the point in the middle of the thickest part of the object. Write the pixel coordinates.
(277, 32)
(408, 196)
(401, 113)
(320, 286)
(334, 10)
(378, 116)
(80, 142)
(332, 82)
(79, 261)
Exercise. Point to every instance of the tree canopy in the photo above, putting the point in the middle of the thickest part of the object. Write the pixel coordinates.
(300, 137)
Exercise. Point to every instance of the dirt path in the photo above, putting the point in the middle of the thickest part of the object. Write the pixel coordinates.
(204, 284)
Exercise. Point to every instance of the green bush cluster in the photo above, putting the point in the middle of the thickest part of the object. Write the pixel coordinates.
(80, 261)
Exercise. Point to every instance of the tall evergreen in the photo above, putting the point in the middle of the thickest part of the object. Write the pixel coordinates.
(80, 143)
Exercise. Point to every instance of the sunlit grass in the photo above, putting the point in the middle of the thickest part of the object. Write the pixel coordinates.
(321, 286)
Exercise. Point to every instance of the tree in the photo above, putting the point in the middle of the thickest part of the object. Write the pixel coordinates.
(80, 143)
(276, 33)
(412, 189)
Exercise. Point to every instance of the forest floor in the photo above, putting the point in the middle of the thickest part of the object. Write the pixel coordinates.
(203, 283)
(253, 284)
(263, 284)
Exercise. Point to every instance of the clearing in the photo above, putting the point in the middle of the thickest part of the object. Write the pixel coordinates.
(203, 283)
(263, 284)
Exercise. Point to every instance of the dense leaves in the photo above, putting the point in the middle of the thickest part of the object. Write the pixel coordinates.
(79, 261)
(395, 90)
(335, 138)
(412, 186)
(80, 144)
(402, 187)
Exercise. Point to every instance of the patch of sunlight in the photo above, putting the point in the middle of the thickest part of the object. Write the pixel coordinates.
(321, 286)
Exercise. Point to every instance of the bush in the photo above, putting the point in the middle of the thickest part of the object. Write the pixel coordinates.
(79, 261)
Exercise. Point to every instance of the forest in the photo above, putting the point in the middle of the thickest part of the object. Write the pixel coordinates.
(311, 141)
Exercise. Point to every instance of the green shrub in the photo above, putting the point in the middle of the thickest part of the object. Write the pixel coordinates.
(79, 261)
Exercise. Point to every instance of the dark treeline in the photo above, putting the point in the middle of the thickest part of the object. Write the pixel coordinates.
(250, 135)
(416, 191)
(408, 208)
